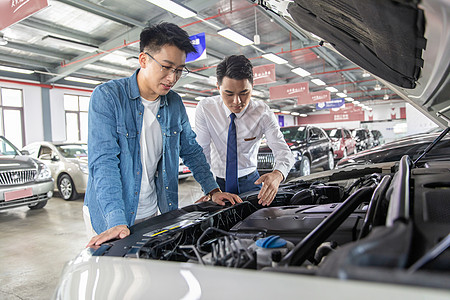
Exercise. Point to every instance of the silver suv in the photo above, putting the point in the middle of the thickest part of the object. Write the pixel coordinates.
(23, 180)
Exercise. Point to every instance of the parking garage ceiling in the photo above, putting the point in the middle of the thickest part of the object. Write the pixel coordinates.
(99, 40)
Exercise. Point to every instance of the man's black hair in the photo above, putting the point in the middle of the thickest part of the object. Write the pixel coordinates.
(235, 67)
(154, 37)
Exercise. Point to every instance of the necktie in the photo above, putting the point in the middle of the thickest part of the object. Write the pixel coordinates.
(231, 177)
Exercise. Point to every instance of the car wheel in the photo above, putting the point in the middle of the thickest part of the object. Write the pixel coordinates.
(38, 205)
(330, 163)
(67, 188)
(345, 153)
(305, 166)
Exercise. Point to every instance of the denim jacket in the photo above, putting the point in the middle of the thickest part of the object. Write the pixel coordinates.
(115, 122)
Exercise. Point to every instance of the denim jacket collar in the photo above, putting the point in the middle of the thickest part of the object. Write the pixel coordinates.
(133, 90)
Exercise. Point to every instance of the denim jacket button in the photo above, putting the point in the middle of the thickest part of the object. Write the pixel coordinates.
(170, 204)
(135, 193)
(127, 133)
(167, 187)
(159, 116)
(174, 132)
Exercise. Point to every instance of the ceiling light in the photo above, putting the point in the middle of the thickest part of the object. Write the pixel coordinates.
(349, 99)
(16, 70)
(175, 8)
(342, 95)
(295, 113)
(199, 98)
(275, 58)
(235, 36)
(370, 108)
(318, 81)
(303, 115)
(385, 97)
(3, 41)
(196, 76)
(275, 110)
(365, 74)
(377, 87)
(83, 80)
(70, 43)
(301, 72)
(181, 94)
(285, 112)
(258, 93)
(332, 89)
(356, 102)
(212, 79)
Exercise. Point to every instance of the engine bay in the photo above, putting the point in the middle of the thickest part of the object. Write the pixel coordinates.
(384, 224)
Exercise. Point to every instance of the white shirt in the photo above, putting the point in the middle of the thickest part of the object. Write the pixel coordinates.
(212, 119)
(151, 151)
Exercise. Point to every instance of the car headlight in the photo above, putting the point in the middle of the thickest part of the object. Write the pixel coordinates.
(84, 168)
(297, 154)
(43, 173)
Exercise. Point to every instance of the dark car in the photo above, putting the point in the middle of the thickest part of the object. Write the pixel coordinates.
(343, 142)
(378, 138)
(412, 146)
(23, 180)
(363, 139)
(310, 145)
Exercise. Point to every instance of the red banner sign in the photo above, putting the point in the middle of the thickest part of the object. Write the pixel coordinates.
(348, 112)
(13, 11)
(314, 97)
(292, 90)
(264, 74)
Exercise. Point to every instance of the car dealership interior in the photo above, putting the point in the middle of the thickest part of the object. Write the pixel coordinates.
(54, 53)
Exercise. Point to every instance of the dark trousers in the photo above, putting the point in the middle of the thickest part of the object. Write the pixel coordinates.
(246, 183)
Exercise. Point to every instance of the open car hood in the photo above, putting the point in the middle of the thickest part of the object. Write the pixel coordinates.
(403, 43)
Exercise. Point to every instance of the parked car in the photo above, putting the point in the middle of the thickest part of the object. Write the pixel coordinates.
(367, 231)
(378, 138)
(412, 146)
(23, 180)
(67, 163)
(310, 145)
(183, 171)
(363, 139)
(342, 141)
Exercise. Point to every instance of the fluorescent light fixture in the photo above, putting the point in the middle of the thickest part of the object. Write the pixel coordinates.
(370, 108)
(193, 87)
(332, 89)
(235, 36)
(70, 43)
(212, 79)
(342, 95)
(275, 58)
(3, 41)
(82, 80)
(175, 8)
(199, 98)
(197, 76)
(295, 113)
(285, 112)
(318, 81)
(350, 99)
(377, 87)
(16, 70)
(303, 115)
(356, 102)
(365, 74)
(182, 94)
(301, 72)
(385, 97)
(275, 110)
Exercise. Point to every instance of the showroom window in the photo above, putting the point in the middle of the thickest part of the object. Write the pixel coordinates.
(76, 108)
(12, 123)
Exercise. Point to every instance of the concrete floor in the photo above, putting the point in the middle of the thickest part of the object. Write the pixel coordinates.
(35, 245)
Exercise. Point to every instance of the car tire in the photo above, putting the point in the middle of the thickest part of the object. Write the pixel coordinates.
(330, 161)
(66, 188)
(38, 205)
(305, 166)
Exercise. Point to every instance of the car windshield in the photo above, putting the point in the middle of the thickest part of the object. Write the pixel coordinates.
(358, 133)
(7, 149)
(72, 151)
(294, 133)
(333, 133)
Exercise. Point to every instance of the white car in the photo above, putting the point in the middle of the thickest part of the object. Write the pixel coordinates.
(67, 163)
(378, 231)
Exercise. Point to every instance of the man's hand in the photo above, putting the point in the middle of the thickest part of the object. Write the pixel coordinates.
(270, 182)
(219, 198)
(117, 232)
(203, 199)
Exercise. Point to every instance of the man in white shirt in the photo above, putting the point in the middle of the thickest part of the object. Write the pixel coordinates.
(252, 120)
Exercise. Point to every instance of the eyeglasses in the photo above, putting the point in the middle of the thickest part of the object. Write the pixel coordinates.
(166, 69)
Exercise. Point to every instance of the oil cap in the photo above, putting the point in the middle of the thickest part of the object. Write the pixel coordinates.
(273, 241)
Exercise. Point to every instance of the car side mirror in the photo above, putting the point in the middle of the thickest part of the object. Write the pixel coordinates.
(24, 152)
(55, 158)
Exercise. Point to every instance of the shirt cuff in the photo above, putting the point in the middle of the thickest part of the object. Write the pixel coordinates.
(115, 218)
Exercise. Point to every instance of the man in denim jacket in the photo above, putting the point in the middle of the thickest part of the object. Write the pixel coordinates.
(138, 129)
